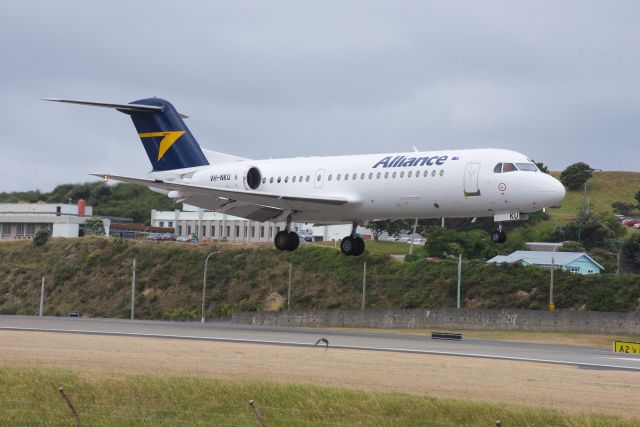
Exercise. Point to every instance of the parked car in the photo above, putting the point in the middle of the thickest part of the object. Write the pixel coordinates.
(167, 236)
(191, 239)
(630, 222)
(153, 236)
(636, 226)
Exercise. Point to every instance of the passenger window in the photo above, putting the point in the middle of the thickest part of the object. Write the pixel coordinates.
(286, 179)
(319, 178)
(338, 177)
(378, 175)
(393, 175)
(293, 179)
(409, 174)
(508, 167)
(498, 168)
(271, 180)
(264, 179)
(433, 172)
(370, 175)
(426, 174)
(308, 178)
(362, 176)
(346, 176)
(279, 179)
(355, 175)
(402, 174)
(441, 172)
(300, 178)
(329, 177)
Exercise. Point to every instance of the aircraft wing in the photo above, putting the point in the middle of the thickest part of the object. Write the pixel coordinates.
(254, 205)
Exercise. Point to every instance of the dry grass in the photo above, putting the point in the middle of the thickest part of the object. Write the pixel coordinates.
(558, 387)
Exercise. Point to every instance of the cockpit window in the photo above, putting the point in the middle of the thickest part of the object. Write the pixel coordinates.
(498, 168)
(508, 167)
(526, 167)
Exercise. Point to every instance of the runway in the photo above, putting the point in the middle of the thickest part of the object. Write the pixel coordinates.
(306, 337)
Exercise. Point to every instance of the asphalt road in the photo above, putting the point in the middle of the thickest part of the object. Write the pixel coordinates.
(304, 337)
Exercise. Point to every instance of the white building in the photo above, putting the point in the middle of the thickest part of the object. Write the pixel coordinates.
(23, 220)
(208, 225)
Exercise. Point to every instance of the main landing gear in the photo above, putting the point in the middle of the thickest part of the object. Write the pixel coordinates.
(499, 235)
(352, 245)
(286, 240)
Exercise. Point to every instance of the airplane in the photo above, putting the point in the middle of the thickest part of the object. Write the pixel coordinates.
(353, 189)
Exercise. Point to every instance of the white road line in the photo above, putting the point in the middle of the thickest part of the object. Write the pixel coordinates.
(346, 347)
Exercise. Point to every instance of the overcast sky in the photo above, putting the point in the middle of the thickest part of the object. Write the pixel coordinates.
(555, 80)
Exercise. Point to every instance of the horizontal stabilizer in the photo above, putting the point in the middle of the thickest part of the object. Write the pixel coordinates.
(124, 107)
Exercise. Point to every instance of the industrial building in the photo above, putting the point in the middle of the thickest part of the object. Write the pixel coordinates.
(209, 225)
(23, 220)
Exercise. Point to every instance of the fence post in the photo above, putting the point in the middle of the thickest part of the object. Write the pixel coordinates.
(133, 290)
(364, 285)
(41, 313)
(70, 405)
(257, 413)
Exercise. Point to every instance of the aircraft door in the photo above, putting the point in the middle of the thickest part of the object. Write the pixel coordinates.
(318, 178)
(471, 180)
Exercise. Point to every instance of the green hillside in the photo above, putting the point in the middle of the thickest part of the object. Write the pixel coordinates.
(603, 189)
(93, 276)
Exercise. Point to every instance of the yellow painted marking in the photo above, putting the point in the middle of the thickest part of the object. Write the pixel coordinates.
(626, 347)
(169, 138)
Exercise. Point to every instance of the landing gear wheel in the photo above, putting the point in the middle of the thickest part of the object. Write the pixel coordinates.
(282, 240)
(347, 245)
(360, 246)
(498, 237)
(352, 246)
(295, 241)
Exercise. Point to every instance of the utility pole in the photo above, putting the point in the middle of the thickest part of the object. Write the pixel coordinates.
(41, 313)
(459, 277)
(364, 285)
(552, 306)
(133, 290)
(289, 289)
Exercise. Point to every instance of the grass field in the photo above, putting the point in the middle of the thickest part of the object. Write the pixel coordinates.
(31, 397)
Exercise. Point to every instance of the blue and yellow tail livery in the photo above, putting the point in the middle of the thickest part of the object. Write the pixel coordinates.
(166, 139)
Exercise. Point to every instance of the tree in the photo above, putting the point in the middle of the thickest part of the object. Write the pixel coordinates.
(590, 231)
(637, 197)
(623, 208)
(94, 225)
(631, 248)
(391, 227)
(574, 176)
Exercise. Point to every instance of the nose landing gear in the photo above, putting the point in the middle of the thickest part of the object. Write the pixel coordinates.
(499, 235)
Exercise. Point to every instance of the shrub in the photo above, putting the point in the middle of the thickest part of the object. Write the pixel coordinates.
(41, 237)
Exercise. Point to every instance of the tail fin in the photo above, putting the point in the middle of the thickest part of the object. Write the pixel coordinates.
(167, 140)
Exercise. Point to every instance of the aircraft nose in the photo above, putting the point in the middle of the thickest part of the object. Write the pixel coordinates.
(555, 191)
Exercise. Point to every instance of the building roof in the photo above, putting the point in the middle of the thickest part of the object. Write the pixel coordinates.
(543, 258)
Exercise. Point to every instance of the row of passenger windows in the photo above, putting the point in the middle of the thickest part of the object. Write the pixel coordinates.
(355, 176)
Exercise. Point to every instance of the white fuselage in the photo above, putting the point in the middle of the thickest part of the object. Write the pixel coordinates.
(448, 183)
